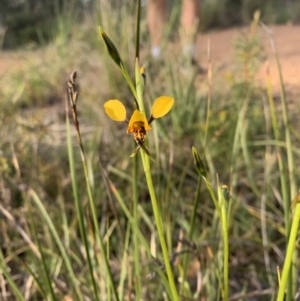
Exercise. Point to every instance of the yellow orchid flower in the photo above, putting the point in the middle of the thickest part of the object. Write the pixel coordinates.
(138, 123)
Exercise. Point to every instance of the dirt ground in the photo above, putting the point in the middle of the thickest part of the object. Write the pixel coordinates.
(287, 41)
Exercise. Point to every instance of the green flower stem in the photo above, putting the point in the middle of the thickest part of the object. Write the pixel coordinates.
(156, 212)
(223, 203)
(135, 174)
(130, 83)
(138, 23)
(212, 194)
(157, 217)
(135, 235)
(225, 257)
(289, 254)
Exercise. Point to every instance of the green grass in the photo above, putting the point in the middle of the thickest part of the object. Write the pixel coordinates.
(81, 220)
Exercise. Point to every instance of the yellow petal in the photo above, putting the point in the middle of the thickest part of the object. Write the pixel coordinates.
(162, 105)
(115, 110)
(137, 119)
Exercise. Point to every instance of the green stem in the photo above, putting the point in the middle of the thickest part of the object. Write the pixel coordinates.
(156, 211)
(289, 254)
(158, 221)
(135, 175)
(225, 244)
(135, 235)
(212, 194)
(130, 83)
(137, 40)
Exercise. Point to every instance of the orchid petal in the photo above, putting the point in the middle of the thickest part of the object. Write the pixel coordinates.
(162, 105)
(137, 116)
(115, 110)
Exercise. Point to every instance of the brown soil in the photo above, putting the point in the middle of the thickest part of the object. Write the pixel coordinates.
(287, 43)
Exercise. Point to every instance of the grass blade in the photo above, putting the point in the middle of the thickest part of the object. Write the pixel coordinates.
(58, 242)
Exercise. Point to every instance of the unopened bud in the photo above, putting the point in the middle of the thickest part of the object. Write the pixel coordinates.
(225, 192)
(111, 48)
(198, 162)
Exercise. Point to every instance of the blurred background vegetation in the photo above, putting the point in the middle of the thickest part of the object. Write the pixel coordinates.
(31, 21)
